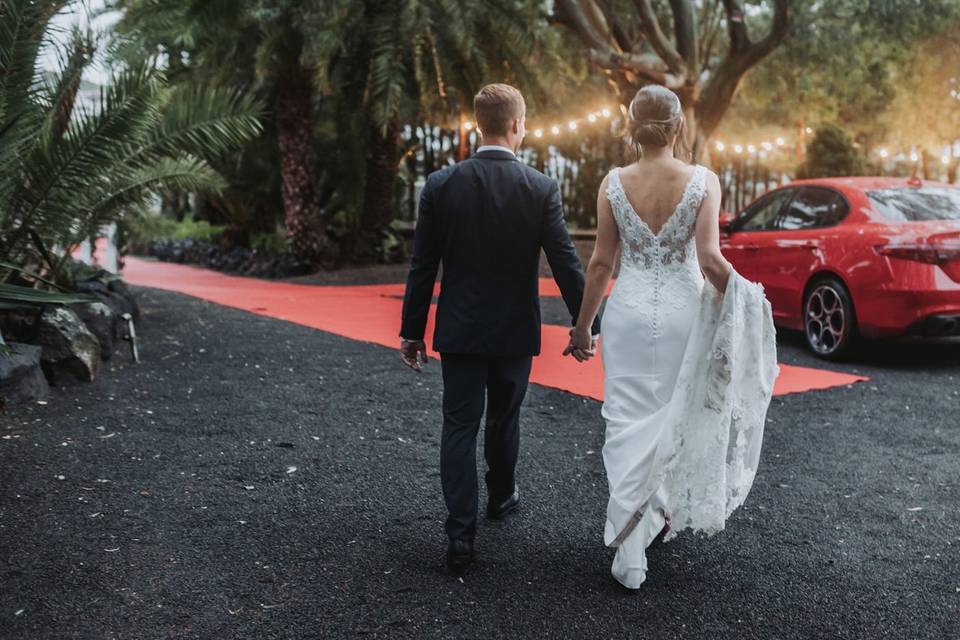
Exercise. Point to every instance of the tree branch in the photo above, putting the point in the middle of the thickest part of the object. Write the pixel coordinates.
(625, 42)
(604, 55)
(658, 41)
(569, 13)
(736, 26)
(743, 54)
(685, 33)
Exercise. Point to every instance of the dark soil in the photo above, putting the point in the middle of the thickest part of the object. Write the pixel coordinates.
(258, 479)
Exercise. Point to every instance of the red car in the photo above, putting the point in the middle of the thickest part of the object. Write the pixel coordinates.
(847, 257)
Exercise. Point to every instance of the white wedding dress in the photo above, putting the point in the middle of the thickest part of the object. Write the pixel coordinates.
(688, 378)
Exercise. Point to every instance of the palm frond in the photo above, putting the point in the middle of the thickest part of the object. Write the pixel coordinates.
(206, 122)
(13, 295)
(128, 108)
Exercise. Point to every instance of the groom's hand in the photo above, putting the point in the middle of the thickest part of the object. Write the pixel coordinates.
(582, 345)
(413, 353)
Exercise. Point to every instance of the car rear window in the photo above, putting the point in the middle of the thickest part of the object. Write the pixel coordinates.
(911, 204)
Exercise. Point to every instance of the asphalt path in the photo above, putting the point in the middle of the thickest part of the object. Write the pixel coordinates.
(258, 479)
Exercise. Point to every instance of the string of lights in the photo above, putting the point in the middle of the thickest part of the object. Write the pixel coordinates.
(556, 129)
(738, 148)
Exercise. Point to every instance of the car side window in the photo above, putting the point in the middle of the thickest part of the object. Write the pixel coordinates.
(762, 214)
(812, 208)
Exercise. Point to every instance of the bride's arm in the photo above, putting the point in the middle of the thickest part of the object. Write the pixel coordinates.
(715, 267)
(600, 267)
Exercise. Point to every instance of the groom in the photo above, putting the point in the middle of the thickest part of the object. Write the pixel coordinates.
(485, 220)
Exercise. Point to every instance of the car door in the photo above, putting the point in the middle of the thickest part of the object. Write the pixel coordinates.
(794, 246)
(742, 246)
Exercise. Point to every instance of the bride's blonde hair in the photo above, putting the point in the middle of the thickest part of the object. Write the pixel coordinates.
(655, 118)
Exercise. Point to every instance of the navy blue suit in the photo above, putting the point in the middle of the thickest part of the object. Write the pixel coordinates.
(486, 220)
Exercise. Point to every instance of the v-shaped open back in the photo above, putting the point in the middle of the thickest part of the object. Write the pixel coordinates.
(673, 213)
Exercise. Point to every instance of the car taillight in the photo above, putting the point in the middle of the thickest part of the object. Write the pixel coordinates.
(929, 253)
(947, 256)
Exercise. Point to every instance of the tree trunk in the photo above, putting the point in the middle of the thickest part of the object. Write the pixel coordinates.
(925, 164)
(383, 157)
(305, 228)
(463, 148)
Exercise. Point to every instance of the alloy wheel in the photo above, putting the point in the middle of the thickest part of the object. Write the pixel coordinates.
(825, 319)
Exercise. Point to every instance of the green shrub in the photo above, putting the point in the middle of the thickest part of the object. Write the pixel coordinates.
(274, 242)
(831, 153)
(149, 227)
(190, 229)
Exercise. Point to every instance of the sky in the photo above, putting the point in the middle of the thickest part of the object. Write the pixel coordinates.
(80, 12)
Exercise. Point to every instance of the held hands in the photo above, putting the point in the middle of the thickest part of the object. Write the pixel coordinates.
(582, 345)
(413, 353)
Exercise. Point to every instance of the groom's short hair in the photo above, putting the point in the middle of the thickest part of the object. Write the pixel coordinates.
(496, 106)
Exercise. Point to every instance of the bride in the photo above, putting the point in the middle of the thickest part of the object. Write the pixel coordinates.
(689, 363)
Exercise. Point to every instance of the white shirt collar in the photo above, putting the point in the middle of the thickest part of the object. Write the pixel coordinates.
(495, 147)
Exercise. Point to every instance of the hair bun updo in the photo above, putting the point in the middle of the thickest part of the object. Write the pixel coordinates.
(655, 117)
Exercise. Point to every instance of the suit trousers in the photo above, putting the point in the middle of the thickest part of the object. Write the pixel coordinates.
(469, 381)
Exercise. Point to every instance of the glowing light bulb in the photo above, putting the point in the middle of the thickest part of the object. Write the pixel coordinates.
(538, 133)
(913, 156)
(766, 145)
(737, 148)
(781, 142)
(884, 153)
(721, 146)
(605, 112)
(751, 148)
(572, 125)
(592, 118)
(945, 159)
(468, 125)
(555, 130)
(808, 130)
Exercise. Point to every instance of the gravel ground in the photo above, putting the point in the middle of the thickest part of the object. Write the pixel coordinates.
(258, 479)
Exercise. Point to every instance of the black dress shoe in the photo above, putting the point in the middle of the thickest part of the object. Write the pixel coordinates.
(499, 510)
(460, 555)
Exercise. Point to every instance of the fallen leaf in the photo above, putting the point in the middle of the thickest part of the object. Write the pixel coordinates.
(248, 487)
(291, 469)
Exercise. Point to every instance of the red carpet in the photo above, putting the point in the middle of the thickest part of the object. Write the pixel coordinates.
(372, 314)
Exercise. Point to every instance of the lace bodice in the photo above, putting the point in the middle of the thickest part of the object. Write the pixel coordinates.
(659, 272)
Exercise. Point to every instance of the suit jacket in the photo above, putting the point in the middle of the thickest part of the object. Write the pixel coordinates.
(486, 220)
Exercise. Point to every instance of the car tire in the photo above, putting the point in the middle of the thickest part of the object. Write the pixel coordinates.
(829, 319)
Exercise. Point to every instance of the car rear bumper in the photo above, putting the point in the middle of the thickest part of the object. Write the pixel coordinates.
(936, 326)
(887, 312)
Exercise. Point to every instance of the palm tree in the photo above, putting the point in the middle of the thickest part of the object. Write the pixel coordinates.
(67, 169)
(359, 67)
(427, 58)
(259, 44)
